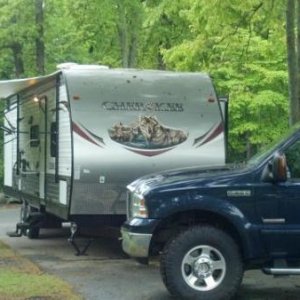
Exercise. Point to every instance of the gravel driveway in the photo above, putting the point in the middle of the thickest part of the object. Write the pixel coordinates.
(106, 273)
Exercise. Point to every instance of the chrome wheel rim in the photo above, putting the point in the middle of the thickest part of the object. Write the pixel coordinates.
(203, 268)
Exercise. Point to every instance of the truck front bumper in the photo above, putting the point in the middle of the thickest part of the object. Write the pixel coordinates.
(137, 235)
(136, 244)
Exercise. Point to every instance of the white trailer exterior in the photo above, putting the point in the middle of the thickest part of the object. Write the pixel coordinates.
(74, 139)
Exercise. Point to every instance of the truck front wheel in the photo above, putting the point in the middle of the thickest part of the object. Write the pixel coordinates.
(202, 262)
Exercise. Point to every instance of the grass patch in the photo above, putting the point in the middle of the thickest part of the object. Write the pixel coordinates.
(21, 279)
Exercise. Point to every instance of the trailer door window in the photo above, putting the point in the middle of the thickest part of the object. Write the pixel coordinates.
(34, 136)
(53, 144)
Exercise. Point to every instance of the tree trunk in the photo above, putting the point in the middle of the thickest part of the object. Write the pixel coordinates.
(18, 59)
(292, 61)
(122, 30)
(298, 59)
(39, 41)
(160, 59)
(132, 51)
(249, 148)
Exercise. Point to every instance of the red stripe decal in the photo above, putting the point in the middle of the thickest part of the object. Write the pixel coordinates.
(99, 139)
(149, 153)
(200, 138)
(218, 130)
(81, 133)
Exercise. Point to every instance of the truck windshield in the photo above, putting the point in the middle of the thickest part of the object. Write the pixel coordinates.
(268, 149)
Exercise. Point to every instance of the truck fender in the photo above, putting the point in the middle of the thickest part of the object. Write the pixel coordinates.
(247, 232)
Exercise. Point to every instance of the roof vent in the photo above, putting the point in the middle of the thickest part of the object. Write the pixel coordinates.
(70, 65)
(67, 65)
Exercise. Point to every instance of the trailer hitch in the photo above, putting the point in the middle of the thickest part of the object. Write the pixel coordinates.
(72, 241)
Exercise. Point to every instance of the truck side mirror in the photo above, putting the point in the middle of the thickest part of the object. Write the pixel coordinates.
(276, 169)
(279, 168)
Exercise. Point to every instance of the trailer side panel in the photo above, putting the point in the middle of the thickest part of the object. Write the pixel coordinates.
(128, 123)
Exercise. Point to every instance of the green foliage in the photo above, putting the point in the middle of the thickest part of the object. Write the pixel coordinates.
(244, 50)
(240, 43)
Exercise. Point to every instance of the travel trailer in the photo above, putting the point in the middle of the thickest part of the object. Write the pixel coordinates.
(74, 139)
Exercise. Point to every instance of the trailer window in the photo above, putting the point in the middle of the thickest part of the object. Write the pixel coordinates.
(53, 145)
(34, 136)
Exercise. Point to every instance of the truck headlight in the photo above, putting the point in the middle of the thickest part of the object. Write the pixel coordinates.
(138, 206)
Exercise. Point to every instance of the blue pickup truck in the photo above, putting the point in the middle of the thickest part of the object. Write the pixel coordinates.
(210, 225)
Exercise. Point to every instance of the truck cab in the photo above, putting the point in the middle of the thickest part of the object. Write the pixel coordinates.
(210, 225)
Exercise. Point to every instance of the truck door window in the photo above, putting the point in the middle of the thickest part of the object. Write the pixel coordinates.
(293, 160)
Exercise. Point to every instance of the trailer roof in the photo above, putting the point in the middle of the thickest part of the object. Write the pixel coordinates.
(11, 87)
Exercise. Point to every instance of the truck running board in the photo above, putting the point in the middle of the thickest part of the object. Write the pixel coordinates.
(281, 271)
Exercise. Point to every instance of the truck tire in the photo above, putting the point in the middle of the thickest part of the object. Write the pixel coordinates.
(202, 263)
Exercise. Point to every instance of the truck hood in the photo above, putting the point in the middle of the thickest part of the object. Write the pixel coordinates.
(188, 178)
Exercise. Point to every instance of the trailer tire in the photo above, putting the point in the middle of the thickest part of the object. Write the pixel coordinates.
(202, 263)
(33, 232)
(24, 211)
(142, 260)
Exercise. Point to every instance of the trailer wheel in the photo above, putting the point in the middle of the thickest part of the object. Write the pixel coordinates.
(24, 211)
(202, 263)
(142, 260)
(33, 232)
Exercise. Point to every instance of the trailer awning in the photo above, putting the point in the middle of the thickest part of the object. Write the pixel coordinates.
(10, 87)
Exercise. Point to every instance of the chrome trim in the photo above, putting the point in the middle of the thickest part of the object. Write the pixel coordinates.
(239, 193)
(274, 221)
(203, 268)
(135, 244)
(128, 205)
(130, 188)
(281, 271)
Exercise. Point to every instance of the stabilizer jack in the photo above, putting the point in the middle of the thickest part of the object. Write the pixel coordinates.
(72, 240)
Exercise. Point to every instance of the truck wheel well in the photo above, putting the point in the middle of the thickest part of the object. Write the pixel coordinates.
(176, 223)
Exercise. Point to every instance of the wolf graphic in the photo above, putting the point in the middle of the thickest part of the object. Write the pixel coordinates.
(149, 130)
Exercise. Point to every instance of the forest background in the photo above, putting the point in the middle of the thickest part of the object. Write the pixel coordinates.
(241, 44)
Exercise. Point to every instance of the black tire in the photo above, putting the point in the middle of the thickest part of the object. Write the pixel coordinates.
(142, 260)
(26, 210)
(197, 242)
(33, 232)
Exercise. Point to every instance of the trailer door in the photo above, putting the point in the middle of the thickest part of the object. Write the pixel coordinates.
(36, 109)
(10, 144)
(31, 132)
(59, 153)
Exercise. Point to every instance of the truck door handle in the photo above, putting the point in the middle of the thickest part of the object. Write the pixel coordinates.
(273, 221)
